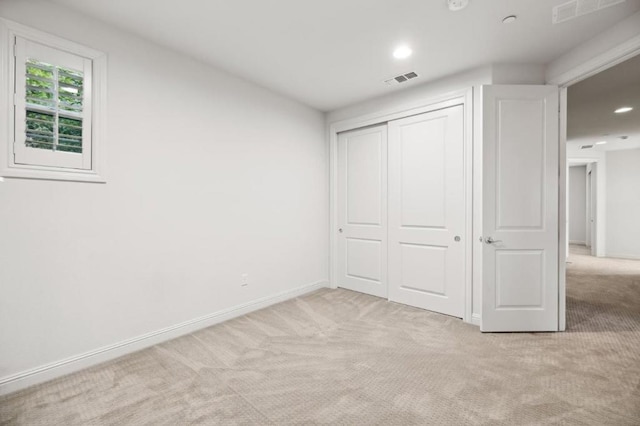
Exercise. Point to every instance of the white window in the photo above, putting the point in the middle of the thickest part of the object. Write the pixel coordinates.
(52, 108)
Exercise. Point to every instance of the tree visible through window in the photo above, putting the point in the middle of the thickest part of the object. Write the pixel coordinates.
(54, 101)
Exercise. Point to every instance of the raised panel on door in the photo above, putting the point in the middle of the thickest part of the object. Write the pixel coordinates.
(520, 163)
(423, 172)
(520, 208)
(426, 211)
(423, 268)
(362, 210)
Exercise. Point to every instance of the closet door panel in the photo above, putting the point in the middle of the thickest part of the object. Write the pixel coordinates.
(362, 210)
(427, 211)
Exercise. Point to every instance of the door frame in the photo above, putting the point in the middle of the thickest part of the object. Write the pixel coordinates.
(589, 207)
(460, 97)
(597, 64)
(592, 230)
(595, 238)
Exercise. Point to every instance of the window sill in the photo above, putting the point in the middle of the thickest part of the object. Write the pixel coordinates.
(41, 173)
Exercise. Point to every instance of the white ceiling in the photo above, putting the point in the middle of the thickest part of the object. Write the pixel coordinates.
(331, 53)
(591, 102)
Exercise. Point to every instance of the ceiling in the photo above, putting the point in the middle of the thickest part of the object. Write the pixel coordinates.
(332, 53)
(591, 104)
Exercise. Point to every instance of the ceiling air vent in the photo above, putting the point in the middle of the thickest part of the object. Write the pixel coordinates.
(401, 78)
(572, 9)
(586, 147)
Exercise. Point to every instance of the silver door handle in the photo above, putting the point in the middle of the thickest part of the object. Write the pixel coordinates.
(490, 240)
(340, 230)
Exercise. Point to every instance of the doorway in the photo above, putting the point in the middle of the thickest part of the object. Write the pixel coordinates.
(603, 143)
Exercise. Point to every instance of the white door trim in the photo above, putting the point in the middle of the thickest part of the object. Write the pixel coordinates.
(562, 213)
(599, 63)
(462, 97)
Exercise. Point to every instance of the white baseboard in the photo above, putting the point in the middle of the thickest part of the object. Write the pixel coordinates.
(622, 256)
(51, 371)
(582, 243)
(475, 319)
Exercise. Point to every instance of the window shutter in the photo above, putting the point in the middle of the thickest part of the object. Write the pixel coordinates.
(53, 107)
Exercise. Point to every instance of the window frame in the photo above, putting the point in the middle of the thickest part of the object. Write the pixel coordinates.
(9, 168)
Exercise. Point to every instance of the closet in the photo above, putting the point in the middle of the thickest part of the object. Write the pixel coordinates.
(401, 210)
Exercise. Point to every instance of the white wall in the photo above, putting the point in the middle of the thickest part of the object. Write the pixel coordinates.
(209, 177)
(577, 204)
(518, 74)
(623, 203)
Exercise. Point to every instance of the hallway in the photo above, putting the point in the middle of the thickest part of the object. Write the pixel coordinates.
(603, 294)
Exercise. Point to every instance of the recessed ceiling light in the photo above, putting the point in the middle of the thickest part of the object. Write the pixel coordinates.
(509, 19)
(601, 143)
(623, 110)
(402, 52)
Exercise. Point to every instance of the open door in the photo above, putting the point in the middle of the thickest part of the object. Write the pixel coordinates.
(520, 208)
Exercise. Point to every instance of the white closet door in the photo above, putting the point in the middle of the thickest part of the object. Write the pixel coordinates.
(426, 211)
(520, 208)
(362, 210)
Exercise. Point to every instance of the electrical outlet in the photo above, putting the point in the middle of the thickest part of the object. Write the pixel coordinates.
(245, 280)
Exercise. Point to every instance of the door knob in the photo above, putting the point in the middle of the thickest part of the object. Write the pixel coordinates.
(490, 240)
(340, 230)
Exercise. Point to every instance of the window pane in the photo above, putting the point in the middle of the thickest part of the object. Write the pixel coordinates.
(37, 94)
(70, 127)
(39, 82)
(70, 77)
(40, 122)
(39, 69)
(53, 96)
(70, 103)
(39, 141)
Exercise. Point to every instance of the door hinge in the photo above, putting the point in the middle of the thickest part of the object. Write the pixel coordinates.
(15, 49)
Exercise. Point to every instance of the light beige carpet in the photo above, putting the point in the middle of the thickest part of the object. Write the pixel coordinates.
(339, 357)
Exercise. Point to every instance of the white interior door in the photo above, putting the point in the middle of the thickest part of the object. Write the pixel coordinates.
(426, 211)
(362, 210)
(520, 208)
